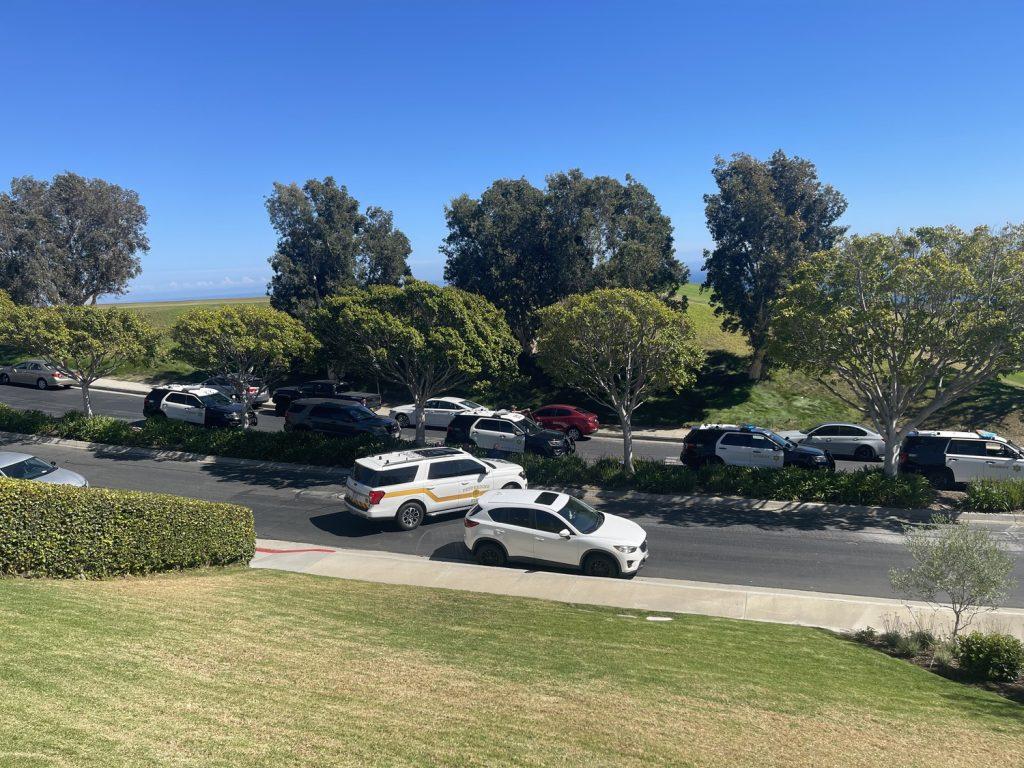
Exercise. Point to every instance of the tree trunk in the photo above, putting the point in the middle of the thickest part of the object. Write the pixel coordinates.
(86, 402)
(893, 439)
(756, 370)
(421, 423)
(625, 420)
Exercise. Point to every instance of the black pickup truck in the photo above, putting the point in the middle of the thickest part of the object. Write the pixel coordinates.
(325, 388)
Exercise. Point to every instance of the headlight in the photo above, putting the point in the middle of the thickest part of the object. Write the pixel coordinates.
(624, 549)
(820, 459)
(556, 441)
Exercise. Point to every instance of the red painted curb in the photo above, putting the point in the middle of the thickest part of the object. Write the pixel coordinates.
(266, 551)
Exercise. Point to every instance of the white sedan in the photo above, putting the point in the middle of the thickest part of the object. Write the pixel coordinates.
(438, 412)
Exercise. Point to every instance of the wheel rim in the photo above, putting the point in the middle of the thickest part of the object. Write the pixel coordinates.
(3, 378)
(600, 567)
(410, 516)
(574, 434)
(864, 453)
(40, 384)
(403, 420)
(490, 556)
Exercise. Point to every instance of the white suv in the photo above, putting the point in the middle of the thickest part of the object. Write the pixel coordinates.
(555, 528)
(406, 486)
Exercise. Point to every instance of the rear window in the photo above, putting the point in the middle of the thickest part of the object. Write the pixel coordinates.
(701, 436)
(296, 408)
(381, 478)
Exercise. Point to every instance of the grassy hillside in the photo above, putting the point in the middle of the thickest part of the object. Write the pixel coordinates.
(261, 668)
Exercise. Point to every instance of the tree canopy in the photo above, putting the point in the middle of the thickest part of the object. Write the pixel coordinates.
(619, 346)
(766, 219)
(524, 248)
(901, 325)
(425, 338)
(70, 240)
(242, 342)
(326, 244)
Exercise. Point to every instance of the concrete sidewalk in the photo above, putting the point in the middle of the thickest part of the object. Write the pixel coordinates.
(124, 387)
(840, 613)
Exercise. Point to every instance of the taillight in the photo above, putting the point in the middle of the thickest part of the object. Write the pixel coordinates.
(375, 497)
(470, 523)
(903, 457)
(253, 390)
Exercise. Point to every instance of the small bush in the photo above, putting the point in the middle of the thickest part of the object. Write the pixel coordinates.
(994, 496)
(995, 657)
(62, 532)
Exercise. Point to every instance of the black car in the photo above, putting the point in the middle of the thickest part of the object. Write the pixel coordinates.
(332, 417)
(748, 446)
(197, 405)
(326, 389)
(503, 433)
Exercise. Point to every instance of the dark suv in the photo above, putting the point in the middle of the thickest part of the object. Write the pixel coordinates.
(324, 388)
(504, 433)
(332, 417)
(748, 446)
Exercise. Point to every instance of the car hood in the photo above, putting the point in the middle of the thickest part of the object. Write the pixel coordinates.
(793, 434)
(806, 450)
(546, 435)
(619, 530)
(63, 477)
(504, 467)
(380, 421)
(231, 408)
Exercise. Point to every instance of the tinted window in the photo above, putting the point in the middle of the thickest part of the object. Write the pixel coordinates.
(829, 431)
(998, 450)
(739, 439)
(543, 413)
(511, 516)
(545, 521)
(193, 401)
(296, 408)
(470, 467)
(760, 441)
(489, 425)
(507, 427)
(442, 469)
(29, 469)
(585, 518)
(966, 447)
(323, 412)
(307, 389)
(852, 432)
(384, 477)
(702, 436)
(177, 397)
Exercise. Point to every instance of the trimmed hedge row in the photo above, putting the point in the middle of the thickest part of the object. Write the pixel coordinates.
(65, 532)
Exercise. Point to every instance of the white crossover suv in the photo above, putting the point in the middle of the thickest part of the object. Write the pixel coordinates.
(406, 486)
(553, 528)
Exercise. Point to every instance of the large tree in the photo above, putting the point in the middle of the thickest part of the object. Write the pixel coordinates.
(766, 219)
(70, 240)
(524, 248)
(87, 343)
(901, 325)
(619, 346)
(326, 244)
(424, 338)
(244, 343)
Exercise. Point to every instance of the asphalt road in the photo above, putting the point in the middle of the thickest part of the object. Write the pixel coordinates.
(845, 553)
(129, 407)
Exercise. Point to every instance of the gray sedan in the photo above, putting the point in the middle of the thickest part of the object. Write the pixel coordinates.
(35, 373)
(839, 439)
(24, 466)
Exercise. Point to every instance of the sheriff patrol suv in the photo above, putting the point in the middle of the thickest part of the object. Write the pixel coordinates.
(197, 405)
(949, 458)
(406, 486)
(748, 446)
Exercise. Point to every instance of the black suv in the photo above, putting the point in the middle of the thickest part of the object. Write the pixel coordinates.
(504, 433)
(748, 446)
(341, 419)
(323, 388)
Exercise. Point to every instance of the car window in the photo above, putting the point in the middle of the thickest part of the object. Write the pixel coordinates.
(307, 389)
(760, 441)
(998, 450)
(852, 432)
(27, 469)
(471, 467)
(507, 427)
(322, 411)
(216, 399)
(966, 447)
(443, 469)
(430, 404)
(738, 439)
(545, 521)
(385, 477)
(544, 413)
(518, 516)
(830, 430)
(193, 401)
(702, 437)
(177, 398)
(489, 425)
(469, 404)
(584, 518)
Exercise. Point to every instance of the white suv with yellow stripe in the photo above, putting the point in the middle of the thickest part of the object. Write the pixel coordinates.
(406, 486)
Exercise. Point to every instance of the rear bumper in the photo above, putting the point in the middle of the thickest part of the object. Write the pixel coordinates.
(373, 513)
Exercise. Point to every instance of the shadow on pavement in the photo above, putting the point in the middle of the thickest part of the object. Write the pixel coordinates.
(274, 477)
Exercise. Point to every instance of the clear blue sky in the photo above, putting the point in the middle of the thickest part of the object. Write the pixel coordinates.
(914, 110)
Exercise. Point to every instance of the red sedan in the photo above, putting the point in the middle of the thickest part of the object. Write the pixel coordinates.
(573, 421)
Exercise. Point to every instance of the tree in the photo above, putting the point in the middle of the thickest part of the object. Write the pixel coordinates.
(901, 325)
(242, 342)
(420, 336)
(87, 343)
(955, 564)
(325, 244)
(524, 248)
(69, 241)
(766, 219)
(619, 346)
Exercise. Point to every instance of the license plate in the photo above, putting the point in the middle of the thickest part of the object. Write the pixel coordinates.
(356, 502)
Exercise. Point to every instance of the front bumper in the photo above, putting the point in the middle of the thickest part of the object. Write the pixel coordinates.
(632, 562)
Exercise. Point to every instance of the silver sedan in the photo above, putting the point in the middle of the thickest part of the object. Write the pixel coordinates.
(847, 440)
(35, 373)
(24, 466)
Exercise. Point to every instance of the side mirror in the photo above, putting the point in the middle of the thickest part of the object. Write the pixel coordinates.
(564, 533)
(53, 463)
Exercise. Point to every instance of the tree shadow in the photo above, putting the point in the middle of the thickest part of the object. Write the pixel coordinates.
(277, 477)
(990, 405)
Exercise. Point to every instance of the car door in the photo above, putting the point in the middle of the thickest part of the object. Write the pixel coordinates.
(511, 439)
(486, 434)
(1001, 462)
(454, 483)
(545, 417)
(549, 546)
(22, 374)
(513, 527)
(734, 448)
(184, 407)
(763, 452)
(966, 459)
(324, 418)
(825, 437)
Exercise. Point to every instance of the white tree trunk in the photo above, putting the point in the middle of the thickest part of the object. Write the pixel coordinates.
(893, 441)
(86, 402)
(625, 420)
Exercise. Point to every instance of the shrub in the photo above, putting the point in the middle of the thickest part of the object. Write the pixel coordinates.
(994, 496)
(994, 656)
(61, 531)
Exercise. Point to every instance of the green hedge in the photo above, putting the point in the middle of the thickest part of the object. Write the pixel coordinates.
(994, 496)
(64, 532)
(995, 656)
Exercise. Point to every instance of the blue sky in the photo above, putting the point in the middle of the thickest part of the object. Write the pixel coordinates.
(912, 109)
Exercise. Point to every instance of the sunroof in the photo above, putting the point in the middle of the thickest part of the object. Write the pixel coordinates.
(547, 498)
(430, 453)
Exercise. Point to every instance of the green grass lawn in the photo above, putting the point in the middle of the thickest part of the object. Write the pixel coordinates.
(257, 668)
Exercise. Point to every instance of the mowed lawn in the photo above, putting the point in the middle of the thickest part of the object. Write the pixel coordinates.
(257, 668)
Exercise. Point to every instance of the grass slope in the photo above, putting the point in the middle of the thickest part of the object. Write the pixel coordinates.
(272, 669)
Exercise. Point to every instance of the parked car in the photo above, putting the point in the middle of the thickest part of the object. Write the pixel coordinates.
(852, 440)
(36, 373)
(257, 392)
(574, 422)
(949, 458)
(507, 433)
(553, 528)
(333, 417)
(748, 446)
(24, 466)
(323, 388)
(437, 412)
(197, 405)
(407, 486)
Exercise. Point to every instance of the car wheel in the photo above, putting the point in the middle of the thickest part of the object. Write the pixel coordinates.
(409, 516)
(864, 453)
(511, 486)
(942, 479)
(714, 461)
(403, 420)
(600, 565)
(488, 553)
(573, 434)
(4, 378)
(41, 384)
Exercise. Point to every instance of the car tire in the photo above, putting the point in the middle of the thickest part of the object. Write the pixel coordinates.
(511, 486)
(403, 421)
(573, 434)
(601, 565)
(409, 516)
(41, 384)
(491, 554)
(942, 479)
(4, 378)
(864, 453)
(713, 461)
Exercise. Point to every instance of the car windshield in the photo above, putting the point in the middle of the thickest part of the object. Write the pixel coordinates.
(361, 414)
(28, 469)
(215, 399)
(529, 426)
(584, 518)
(470, 404)
(778, 439)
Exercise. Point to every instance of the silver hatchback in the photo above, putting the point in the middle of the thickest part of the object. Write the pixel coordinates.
(848, 440)
(35, 373)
